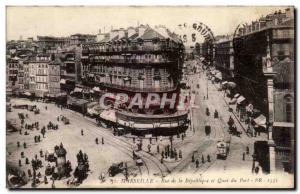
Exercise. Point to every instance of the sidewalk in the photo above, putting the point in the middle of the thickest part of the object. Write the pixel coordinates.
(263, 136)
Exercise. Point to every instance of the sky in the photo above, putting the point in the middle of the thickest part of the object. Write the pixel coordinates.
(63, 21)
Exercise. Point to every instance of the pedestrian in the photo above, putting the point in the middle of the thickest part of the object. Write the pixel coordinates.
(57, 118)
(243, 156)
(182, 137)
(45, 107)
(22, 154)
(133, 139)
(96, 140)
(180, 154)
(20, 131)
(81, 132)
(247, 150)
(149, 148)
(29, 173)
(256, 170)
(41, 153)
(102, 141)
(208, 158)
(197, 163)
(45, 180)
(150, 140)
(162, 160)
(202, 158)
(26, 161)
(20, 163)
(156, 138)
(162, 154)
(24, 145)
(18, 144)
(193, 158)
(39, 138)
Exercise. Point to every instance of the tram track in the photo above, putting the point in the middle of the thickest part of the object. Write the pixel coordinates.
(127, 146)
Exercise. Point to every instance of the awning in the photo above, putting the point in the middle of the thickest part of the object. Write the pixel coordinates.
(108, 115)
(127, 78)
(78, 89)
(97, 89)
(283, 124)
(62, 81)
(224, 83)
(240, 99)
(61, 94)
(260, 120)
(219, 75)
(231, 84)
(236, 95)
(27, 94)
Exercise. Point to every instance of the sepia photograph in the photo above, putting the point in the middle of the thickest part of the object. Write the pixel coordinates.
(150, 97)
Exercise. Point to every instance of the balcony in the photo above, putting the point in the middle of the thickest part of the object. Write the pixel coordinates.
(138, 89)
(141, 61)
(132, 48)
(176, 119)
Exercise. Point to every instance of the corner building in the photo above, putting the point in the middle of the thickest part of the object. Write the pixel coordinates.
(138, 60)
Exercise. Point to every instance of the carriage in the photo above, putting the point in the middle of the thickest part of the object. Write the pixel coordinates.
(115, 169)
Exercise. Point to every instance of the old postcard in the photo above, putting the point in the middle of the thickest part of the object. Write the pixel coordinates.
(150, 97)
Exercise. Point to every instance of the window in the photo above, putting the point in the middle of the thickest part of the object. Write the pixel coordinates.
(289, 105)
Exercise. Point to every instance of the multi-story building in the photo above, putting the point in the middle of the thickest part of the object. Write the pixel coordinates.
(137, 60)
(264, 67)
(78, 39)
(12, 69)
(39, 75)
(26, 77)
(21, 76)
(70, 69)
(224, 57)
(49, 42)
(54, 78)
